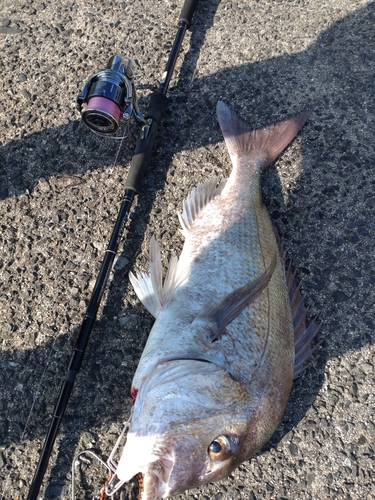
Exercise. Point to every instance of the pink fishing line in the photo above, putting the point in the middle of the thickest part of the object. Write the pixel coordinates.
(105, 105)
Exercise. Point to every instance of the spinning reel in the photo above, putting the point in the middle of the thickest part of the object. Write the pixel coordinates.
(109, 96)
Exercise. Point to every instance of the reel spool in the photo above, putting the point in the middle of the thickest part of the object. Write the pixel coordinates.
(109, 96)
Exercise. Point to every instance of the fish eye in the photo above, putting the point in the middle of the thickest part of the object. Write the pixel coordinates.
(215, 447)
(221, 448)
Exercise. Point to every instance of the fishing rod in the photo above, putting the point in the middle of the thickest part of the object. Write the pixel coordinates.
(106, 98)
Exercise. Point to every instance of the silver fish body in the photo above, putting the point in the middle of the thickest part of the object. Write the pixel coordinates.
(217, 370)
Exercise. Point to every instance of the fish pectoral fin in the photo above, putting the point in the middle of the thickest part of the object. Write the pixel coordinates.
(197, 200)
(150, 289)
(143, 288)
(219, 316)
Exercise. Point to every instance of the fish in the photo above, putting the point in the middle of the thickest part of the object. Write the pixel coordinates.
(230, 330)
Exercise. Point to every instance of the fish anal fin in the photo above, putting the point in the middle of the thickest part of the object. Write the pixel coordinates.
(267, 142)
(150, 289)
(199, 197)
(219, 316)
(303, 335)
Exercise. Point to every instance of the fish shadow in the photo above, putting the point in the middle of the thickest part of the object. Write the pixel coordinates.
(324, 217)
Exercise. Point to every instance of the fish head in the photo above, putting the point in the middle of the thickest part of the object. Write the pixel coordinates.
(179, 461)
(191, 424)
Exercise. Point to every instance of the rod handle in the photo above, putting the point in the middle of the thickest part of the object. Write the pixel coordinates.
(143, 149)
(187, 12)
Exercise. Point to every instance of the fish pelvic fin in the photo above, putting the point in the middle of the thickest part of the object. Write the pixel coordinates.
(197, 200)
(150, 289)
(219, 316)
(303, 335)
(267, 142)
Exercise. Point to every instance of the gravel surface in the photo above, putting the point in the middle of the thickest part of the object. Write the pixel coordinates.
(60, 189)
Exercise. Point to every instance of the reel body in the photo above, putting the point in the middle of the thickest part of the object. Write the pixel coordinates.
(109, 96)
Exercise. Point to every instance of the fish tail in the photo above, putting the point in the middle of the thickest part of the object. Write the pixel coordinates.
(267, 143)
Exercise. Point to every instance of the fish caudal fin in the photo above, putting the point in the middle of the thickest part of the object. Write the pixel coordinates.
(268, 142)
(150, 289)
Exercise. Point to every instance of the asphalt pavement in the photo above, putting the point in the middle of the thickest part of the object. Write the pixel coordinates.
(61, 187)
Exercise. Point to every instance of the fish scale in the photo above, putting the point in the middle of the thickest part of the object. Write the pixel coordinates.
(216, 373)
(219, 260)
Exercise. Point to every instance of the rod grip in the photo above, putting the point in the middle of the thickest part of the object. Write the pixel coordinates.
(143, 149)
(187, 12)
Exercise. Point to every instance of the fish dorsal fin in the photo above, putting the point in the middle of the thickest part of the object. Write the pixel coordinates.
(219, 316)
(199, 197)
(150, 289)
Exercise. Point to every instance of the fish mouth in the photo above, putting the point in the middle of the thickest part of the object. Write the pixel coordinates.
(153, 484)
(151, 476)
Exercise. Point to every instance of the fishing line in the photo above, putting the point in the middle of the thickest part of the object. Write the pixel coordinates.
(100, 134)
(111, 171)
(108, 97)
(97, 116)
(110, 488)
